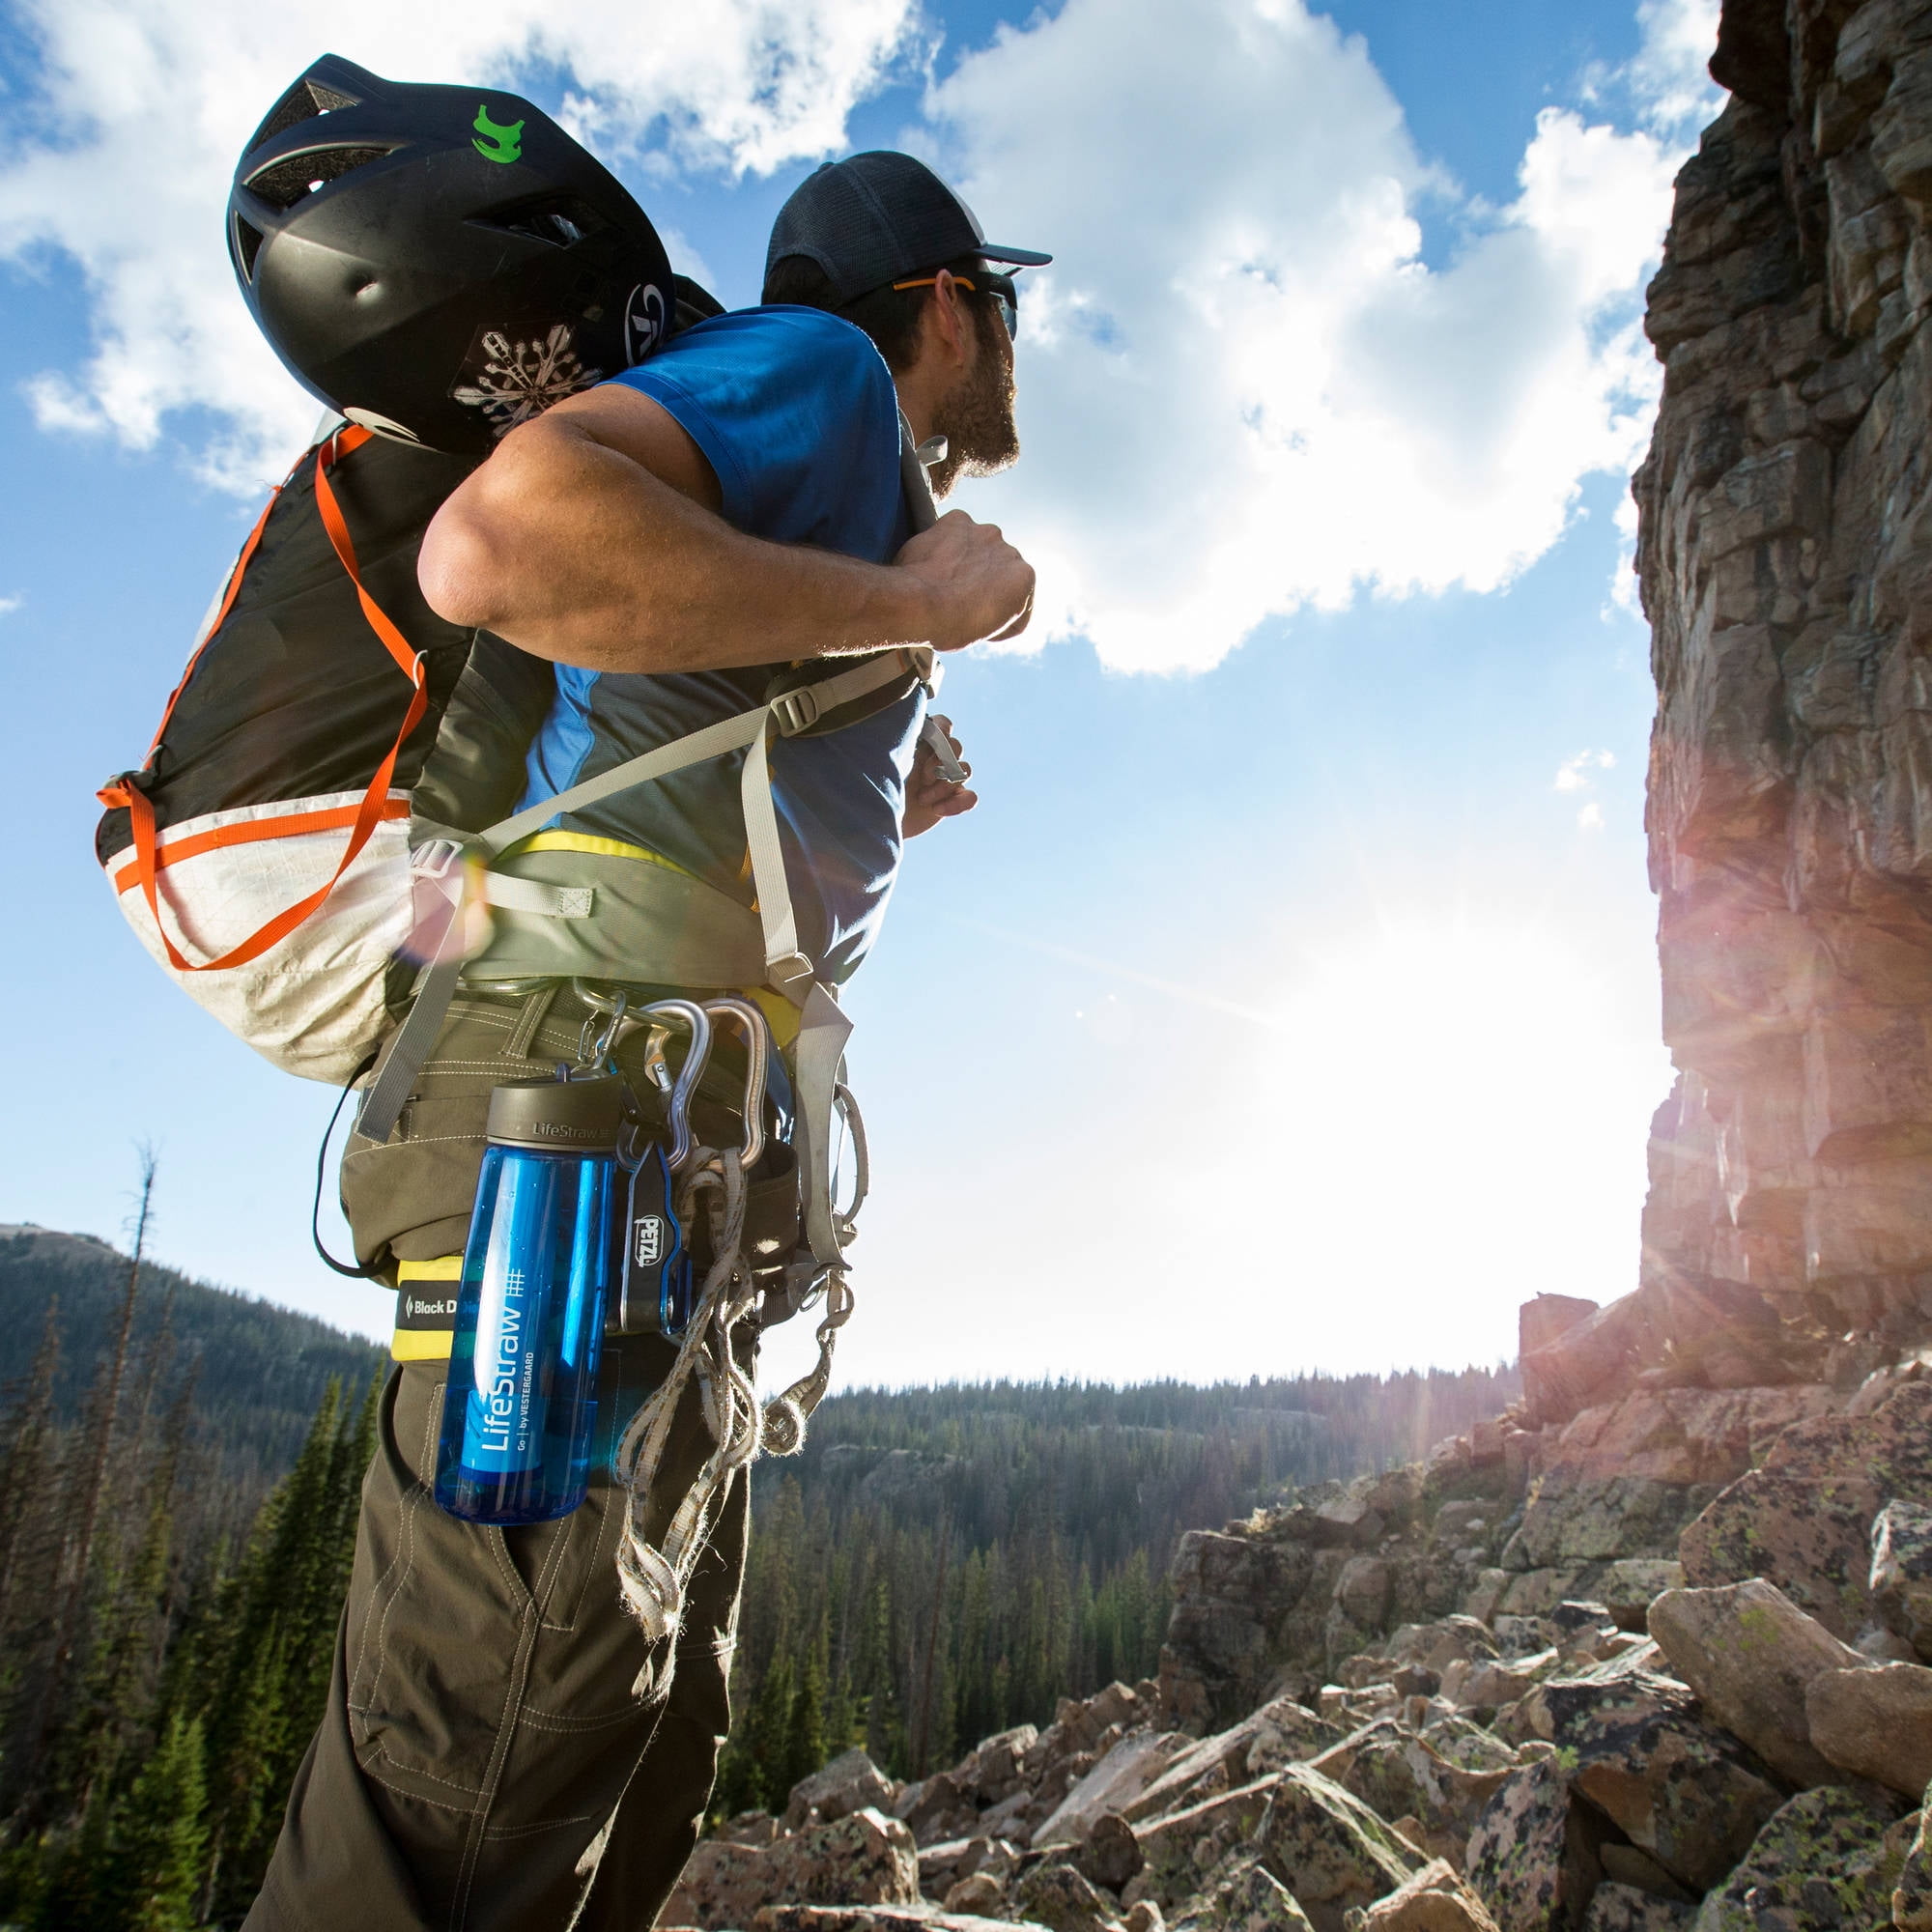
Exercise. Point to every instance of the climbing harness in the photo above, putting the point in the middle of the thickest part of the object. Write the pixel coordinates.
(672, 1185)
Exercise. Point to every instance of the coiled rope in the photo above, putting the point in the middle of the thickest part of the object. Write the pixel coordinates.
(654, 1579)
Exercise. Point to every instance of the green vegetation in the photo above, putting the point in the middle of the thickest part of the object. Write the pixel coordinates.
(168, 1607)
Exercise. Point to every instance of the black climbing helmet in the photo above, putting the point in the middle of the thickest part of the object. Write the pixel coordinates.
(439, 263)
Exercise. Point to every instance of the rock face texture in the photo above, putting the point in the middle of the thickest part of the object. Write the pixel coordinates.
(1472, 1743)
(1785, 555)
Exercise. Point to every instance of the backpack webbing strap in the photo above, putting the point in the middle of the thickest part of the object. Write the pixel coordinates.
(786, 967)
(817, 1060)
(374, 807)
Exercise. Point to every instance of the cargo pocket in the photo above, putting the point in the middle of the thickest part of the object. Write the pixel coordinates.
(438, 1623)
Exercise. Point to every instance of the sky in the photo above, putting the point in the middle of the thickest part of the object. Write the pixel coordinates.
(1290, 1000)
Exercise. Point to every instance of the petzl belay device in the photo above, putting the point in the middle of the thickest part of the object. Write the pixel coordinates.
(655, 1298)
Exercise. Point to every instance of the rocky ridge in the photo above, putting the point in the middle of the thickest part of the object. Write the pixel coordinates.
(1657, 1663)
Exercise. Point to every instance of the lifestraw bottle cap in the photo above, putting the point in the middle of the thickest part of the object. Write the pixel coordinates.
(562, 1115)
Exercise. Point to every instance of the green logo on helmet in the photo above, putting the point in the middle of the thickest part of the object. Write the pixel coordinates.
(495, 142)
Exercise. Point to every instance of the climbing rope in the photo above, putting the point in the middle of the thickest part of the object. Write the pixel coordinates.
(654, 1579)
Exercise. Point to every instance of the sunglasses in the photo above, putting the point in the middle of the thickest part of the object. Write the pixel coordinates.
(1004, 294)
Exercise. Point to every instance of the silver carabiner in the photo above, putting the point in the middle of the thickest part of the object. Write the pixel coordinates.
(623, 1023)
(752, 1023)
(846, 1107)
(691, 1016)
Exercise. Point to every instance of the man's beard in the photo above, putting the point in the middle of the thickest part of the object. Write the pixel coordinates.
(977, 417)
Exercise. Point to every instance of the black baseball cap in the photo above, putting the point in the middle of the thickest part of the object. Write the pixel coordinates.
(874, 216)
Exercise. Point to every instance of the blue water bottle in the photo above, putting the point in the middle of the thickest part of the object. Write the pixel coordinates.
(545, 1246)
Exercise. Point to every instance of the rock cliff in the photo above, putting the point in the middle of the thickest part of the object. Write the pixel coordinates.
(1785, 558)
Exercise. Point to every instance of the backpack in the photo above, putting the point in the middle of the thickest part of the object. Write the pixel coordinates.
(261, 851)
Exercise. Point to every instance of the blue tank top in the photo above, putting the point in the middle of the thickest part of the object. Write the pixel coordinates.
(796, 413)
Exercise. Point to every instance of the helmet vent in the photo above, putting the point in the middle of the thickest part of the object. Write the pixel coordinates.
(247, 245)
(304, 101)
(282, 183)
(561, 219)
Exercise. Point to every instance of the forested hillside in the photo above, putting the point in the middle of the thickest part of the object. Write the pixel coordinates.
(182, 1472)
(939, 1564)
(257, 1371)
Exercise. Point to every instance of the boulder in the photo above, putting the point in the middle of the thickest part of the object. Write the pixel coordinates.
(1112, 1855)
(1625, 1908)
(1435, 1646)
(1876, 1721)
(1329, 1848)
(1280, 1733)
(1901, 1571)
(1362, 1591)
(1242, 1896)
(1144, 1915)
(1490, 1684)
(1516, 1860)
(1629, 1587)
(869, 1918)
(1112, 1785)
(1636, 1747)
(941, 1867)
(936, 1808)
(1803, 1520)
(1399, 1774)
(847, 1784)
(996, 1767)
(1826, 1860)
(978, 1894)
(1180, 1846)
(1055, 1895)
(748, 1828)
(1433, 1900)
(1583, 1358)
(863, 1859)
(1749, 1652)
(1911, 1894)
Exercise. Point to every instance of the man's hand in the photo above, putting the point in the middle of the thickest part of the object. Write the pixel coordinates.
(928, 796)
(980, 587)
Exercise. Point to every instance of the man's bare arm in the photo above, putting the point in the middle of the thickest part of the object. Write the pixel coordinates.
(592, 537)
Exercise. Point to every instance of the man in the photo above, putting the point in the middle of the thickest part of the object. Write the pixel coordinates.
(730, 507)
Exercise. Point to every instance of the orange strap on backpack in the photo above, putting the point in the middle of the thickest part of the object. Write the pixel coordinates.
(376, 804)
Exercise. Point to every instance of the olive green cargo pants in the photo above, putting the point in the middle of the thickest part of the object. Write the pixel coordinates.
(482, 1765)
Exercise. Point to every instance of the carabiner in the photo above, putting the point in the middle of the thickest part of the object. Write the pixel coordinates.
(596, 1056)
(687, 1013)
(753, 1025)
(846, 1107)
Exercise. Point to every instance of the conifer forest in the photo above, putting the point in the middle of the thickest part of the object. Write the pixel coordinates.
(182, 1472)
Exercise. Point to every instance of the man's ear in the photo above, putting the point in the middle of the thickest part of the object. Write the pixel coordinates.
(946, 325)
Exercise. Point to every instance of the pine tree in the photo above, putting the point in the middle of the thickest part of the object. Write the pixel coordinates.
(804, 1734)
(99, 1429)
(28, 1448)
(159, 1838)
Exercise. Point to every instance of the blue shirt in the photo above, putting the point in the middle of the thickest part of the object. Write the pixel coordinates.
(796, 413)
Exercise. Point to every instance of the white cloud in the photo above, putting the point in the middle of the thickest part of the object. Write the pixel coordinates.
(1244, 388)
(1670, 76)
(8, 605)
(1590, 818)
(148, 102)
(1573, 774)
